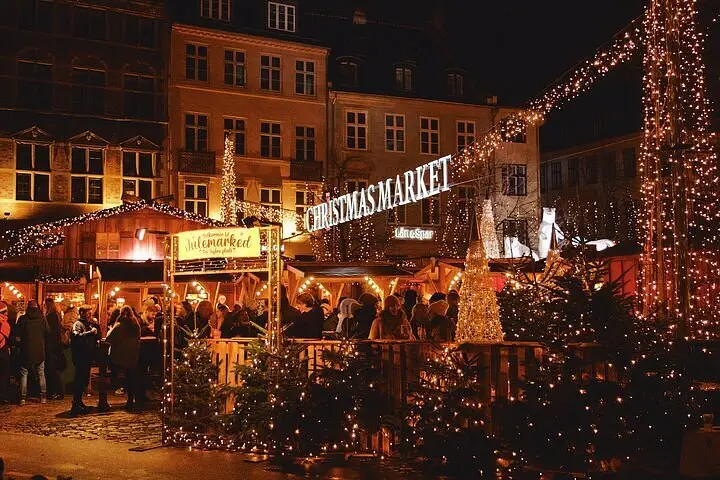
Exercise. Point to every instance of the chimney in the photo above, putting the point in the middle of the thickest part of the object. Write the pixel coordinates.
(359, 17)
(492, 100)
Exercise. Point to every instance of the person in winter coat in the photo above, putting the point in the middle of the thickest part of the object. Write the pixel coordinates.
(54, 358)
(410, 299)
(69, 317)
(391, 324)
(84, 340)
(124, 340)
(310, 322)
(453, 299)
(440, 325)
(4, 354)
(345, 317)
(365, 316)
(420, 321)
(33, 330)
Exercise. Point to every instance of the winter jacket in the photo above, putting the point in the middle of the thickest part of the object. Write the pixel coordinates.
(364, 318)
(124, 340)
(390, 327)
(33, 330)
(4, 332)
(309, 325)
(83, 342)
(68, 321)
(55, 333)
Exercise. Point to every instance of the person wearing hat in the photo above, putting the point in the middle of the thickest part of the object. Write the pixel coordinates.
(440, 325)
(345, 317)
(4, 354)
(84, 339)
(391, 324)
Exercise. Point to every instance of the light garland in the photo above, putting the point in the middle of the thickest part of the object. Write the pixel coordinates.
(265, 213)
(487, 230)
(373, 286)
(14, 290)
(228, 208)
(457, 279)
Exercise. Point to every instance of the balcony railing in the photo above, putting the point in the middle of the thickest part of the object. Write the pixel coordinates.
(306, 171)
(196, 162)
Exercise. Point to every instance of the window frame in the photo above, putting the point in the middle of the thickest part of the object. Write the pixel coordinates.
(519, 225)
(628, 161)
(139, 94)
(34, 171)
(466, 202)
(303, 143)
(556, 174)
(270, 69)
(197, 128)
(88, 104)
(432, 222)
(404, 78)
(197, 59)
(514, 178)
(221, 12)
(544, 171)
(235, 66)
(395, 134)
(271, 137)
(195, 200)
(349, 71)
(139, 178)
(592, 169)
(235, 132)
(274, 23)
(357, 184)
(87, 176)
(270, 202)
(357, 126)
(464, 135)
(573, 168)
(305, 74)
(429, 142)
(35, 83)
(455, 84)
(308, 201)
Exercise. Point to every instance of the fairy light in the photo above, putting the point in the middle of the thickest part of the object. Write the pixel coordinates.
(270, 214)
(228, 208)
(14, 290)
(168, 291)
(373, 286)
(455, 281)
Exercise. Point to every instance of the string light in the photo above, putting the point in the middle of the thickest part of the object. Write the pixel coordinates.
(270, 214)
(228, 199)
(14, 290)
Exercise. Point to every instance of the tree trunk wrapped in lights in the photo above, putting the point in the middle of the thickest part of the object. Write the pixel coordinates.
(228, 207)
(487, 230)
(479, 315)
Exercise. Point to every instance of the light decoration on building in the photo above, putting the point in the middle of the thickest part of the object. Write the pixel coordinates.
(168, 291)
(680, 216)
(269, 214)
(228, 208)
(35, 238)
(199, 289)
(14, 290)
(487, 230)
(456, 281)
(306, 284)
(373, 286)
(261, 290)
(114, 291)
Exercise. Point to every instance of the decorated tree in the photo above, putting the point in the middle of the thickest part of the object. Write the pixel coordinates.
(228, 207)
(487, 230)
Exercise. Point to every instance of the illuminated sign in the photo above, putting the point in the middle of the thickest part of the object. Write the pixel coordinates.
(218, 243)
(405, 233)
(412, 186)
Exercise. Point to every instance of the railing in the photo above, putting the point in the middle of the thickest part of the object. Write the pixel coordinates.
(506, 365)
(306, 171)
(196, 162)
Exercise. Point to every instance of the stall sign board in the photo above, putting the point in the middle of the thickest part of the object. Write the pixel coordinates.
(416, 233)
(218, 243)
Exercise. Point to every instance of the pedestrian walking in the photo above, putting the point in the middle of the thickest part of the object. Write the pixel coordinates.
(33, 331)
(54, 357)
(84, 339)
(4, 354)
(124, 340)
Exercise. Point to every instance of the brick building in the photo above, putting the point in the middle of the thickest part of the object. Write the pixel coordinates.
(82, 105)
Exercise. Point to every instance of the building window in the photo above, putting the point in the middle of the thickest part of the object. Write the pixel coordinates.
(32, 180)
(271, 197)
(270, 73)
(305, 144)
(270, 140)
(403, 79)
(196, 132)
(196, 198)
(573, 171)
(543, 178)
(356, 130)
(138, 169)
(37, 15)
(240, 194)
(455, 84)
(35, 88)
(140, 31)
(236, 128)
(281, 17)
(465, 134)
(138, 98)
(556, 175)
(430, 211)
(89, 23)
(304, 77)
(196, 62)
(215, 9)
(514, 180)
(609, 168)
(520, 137)
(87, 168)
(348, 72)
(591, 169)
(394, 133)
(629, 163)
(88, 90)
(304, 199)
(516, 228)
(397, 215)
(235, 68)
(429, 135)
(466, 204)
(355, 185)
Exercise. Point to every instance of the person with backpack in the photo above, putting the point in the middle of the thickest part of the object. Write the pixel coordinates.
(4, 354)
(33, 331)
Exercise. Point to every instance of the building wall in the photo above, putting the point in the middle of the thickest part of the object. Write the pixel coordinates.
(42, 101)
(376, 163)
(252, 104)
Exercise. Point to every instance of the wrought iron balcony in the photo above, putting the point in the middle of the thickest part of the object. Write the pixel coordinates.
(306, 171)
(196, 162)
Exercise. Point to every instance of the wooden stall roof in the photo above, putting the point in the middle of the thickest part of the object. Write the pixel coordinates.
(18, 274)
(130, 271)
(329, 272)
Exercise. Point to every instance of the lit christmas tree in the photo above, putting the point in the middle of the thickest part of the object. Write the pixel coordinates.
(479, 316)
(228, 207)
(487, 230)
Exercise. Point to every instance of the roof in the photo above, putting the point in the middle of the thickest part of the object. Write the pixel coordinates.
(18, 274)
(344, 271)
(129, 271)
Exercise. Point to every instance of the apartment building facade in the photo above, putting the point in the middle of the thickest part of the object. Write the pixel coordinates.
(266, 89)
(82, 106)
(595, 187)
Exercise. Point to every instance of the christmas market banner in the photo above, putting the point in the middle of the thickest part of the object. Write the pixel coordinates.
(218, 243)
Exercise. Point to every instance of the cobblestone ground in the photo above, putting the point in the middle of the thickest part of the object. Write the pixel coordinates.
(142, 428)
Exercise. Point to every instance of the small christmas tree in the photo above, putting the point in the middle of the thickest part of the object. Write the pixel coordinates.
(228, 204)
(479, 316)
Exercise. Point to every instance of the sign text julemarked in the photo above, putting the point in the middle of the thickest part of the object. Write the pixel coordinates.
(425, 181)
(218, 243)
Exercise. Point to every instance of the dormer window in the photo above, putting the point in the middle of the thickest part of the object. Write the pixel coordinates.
(215, 9)
(404, 78)
(281, 16)
(455, 84)
(348, 72)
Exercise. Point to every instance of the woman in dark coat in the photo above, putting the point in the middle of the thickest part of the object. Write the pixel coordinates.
(54, 358)
(124, 340)
(365, 316)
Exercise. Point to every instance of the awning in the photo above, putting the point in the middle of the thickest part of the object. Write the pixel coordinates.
(18, 274)
(346, 271)
(129, 271)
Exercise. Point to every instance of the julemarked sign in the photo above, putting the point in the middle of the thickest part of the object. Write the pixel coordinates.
(218, 243)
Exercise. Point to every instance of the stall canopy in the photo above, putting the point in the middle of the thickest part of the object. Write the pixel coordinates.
(18, 274)
(329, 272)
(129, 271)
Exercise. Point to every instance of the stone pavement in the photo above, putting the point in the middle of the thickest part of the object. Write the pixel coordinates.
(53, 420)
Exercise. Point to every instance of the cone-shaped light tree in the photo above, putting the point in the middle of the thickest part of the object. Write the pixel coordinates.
(228, 204)
(487, 230)
(479, 315)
